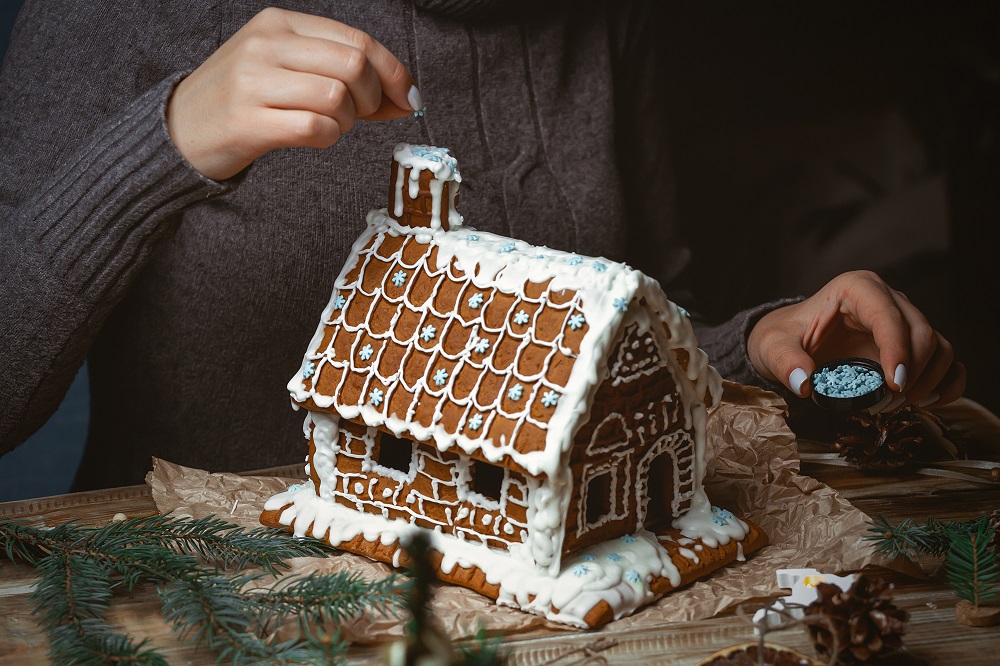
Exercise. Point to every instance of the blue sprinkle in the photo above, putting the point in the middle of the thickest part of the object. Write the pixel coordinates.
(719, 520)
(599, 267)
(628, 538)
(846, 381)
(576, 321)
(588, 557)
(581, 570)
(309, 370)
(339, 302)
(509, 247)
(366, 352)
(615, 557)
(475, 422)
(521, 318)
(441, 376)
(621, 305)
(723, 513)
(515, 392)
(295, 486)
(574, 261)
(550, 398)
(399, 278)
(475, 301)
(472, 237)
(376, 397)
(632, 576)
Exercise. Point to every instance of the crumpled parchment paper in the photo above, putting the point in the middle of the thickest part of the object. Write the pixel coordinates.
(753, 470)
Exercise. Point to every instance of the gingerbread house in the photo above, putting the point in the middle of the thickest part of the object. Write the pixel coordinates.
(540, 413)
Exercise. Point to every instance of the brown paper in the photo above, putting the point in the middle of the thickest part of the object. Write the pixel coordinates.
(753, 470)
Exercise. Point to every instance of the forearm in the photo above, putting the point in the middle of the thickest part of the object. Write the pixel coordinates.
(75, 243)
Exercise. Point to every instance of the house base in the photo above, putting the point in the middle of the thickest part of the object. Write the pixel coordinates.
(601, 583)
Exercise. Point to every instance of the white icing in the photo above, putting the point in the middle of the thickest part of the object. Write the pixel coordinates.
(439, 162)
(610, 298)
(619, 571)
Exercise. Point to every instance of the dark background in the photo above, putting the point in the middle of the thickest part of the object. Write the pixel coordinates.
(807, 140)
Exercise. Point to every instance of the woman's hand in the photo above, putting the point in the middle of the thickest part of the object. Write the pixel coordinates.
(284, 80)
(857, 314)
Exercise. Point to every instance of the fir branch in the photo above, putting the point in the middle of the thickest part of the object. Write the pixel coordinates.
(972, 567)
(910, 539)
(72, 599)
(318, 599)
(223, 544)
(483, 651)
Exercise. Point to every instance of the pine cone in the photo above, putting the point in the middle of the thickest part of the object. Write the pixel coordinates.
(893, 441)
(864, 621)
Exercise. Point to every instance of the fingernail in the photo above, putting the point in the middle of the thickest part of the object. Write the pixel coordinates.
(796, 379)
(896, 402)
(929, 400)
(900, 376)
(414, 98)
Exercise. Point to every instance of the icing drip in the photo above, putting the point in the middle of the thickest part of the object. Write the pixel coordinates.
(442, 165)
(618, 571)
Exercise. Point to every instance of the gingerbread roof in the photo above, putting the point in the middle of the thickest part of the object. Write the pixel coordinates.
(481, 343)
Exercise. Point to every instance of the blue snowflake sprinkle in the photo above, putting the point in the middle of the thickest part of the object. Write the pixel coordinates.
(366, 352)
(339, 302)
(376, 397)
(441, 376)
(615, 557)
(309, 370)
(581, 570)
(621, 305)
(719, 511)
(417, 114)
(515, 392)
(476, 421)
(399, 278)
(574, 261)
(427, 333)
(472, 237)
(482, 345)
(509, 247)
(521, 318)
(588, 557)
(599, 267)
(550, 398)
(628, 538)
(294, 487)
(475, 301)
(539, 256)
(632, 576)
(719, 520)
(576, 321)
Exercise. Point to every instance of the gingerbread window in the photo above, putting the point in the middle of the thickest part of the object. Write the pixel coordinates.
(487, 480)
(394, 453)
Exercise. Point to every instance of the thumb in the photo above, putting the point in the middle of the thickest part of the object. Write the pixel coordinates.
(790, 364)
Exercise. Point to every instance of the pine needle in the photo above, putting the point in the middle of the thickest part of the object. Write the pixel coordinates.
(972, 566)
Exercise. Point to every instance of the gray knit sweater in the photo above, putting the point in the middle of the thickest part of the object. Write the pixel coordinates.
(194, 300)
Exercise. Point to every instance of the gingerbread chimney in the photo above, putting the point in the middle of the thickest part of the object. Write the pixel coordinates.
(423, 187)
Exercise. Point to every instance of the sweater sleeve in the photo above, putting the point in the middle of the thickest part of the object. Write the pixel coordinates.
(90, 185)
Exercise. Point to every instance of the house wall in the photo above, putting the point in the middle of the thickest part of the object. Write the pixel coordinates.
(636, 417)
(436, 492)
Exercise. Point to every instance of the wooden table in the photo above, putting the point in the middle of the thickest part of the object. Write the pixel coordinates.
(933, 636)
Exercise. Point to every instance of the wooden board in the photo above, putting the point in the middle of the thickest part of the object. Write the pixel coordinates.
(933, 635)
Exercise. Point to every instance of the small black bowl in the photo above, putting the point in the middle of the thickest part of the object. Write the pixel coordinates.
(856, 403)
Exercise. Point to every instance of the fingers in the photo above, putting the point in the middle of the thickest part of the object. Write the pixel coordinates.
(394, 79)
(875, 308)
(226, 113)
(776, 350)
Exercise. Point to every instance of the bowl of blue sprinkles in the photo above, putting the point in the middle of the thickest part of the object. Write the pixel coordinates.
(848, 384)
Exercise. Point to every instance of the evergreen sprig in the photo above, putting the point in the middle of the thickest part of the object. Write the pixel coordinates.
(910, 538)
(81, 566)
(972, 566)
